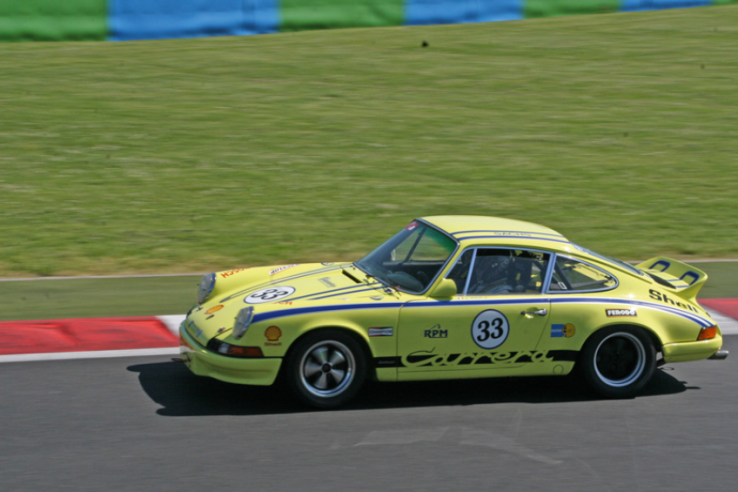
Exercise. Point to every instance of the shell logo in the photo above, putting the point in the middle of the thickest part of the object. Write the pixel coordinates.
(273, 333)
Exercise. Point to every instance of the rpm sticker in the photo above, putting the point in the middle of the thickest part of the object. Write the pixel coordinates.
(490, 329)
(269, 295)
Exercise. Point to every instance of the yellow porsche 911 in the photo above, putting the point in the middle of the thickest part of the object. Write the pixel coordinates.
(450, 297)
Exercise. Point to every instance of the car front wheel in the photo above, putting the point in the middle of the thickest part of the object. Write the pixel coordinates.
(617, 362)
(327, 368)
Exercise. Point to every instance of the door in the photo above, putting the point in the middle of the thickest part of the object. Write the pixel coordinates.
(494, 324)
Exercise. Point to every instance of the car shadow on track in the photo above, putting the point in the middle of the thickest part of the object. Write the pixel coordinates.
(180, 393)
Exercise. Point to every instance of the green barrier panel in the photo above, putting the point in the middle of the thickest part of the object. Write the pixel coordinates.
(300, 15)
(551, 8)
(53, 20)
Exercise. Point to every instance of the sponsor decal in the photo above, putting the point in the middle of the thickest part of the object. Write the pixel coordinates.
(232, 272)
(429, 359)
(386, 331)
(412, 225)
(621, 312)
(222, 329)
(654, 294)
(214, 309)
(490, 329)
(377, 298)
(326, 281)
(272, 334)
(281, 269)
(328, 263)
(285, 303)
(269, 295)
(435, 332)
(563, 330)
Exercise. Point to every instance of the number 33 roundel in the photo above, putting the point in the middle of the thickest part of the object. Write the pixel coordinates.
(490, 329)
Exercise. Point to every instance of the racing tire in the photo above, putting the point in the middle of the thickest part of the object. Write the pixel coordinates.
(617, 362)
(326, 369)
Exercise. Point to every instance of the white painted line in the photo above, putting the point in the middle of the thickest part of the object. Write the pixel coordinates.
(102, 354)
(100, 277)
(728, 326)
(172, 322)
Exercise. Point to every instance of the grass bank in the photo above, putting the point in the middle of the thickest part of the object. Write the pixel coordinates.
(619, 130)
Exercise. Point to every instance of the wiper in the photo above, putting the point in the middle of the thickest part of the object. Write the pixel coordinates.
(350, 276)
(375, 277)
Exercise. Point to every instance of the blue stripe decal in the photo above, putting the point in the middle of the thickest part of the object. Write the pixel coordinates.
(329, 291)
(515, 232)
(522, 238)
(486, 302)
(322, 309)
(586, 300)
(344, 293)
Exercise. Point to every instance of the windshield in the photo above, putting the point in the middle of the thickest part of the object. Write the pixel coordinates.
(411, 259)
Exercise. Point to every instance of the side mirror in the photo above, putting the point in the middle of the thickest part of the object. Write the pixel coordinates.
(445, 290)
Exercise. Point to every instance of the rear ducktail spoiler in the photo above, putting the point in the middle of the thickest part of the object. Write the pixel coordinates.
(685, 279)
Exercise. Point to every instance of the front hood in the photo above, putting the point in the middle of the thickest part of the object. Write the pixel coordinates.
(278, 287)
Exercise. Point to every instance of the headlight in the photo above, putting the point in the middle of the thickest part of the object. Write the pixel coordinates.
(243, 320)
(206, 287)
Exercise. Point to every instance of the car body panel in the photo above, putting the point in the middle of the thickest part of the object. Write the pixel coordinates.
(412, 336)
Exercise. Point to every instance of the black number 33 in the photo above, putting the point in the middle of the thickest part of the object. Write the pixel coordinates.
(485, 325)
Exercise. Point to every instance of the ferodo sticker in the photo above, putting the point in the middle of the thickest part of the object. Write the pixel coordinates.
(490, 329)
(269, 295)
(621, 312)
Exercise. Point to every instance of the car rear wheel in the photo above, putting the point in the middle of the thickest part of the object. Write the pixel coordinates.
(618, 361)
(327, 368)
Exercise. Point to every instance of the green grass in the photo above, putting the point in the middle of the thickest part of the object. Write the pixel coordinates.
(618, 130)
(151, 296)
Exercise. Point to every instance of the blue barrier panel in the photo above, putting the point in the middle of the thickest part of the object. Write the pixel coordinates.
(633, 5)
(422, 12)
(158, 19)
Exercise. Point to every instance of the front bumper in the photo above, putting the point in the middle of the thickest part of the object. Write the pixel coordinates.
(686, 351)
(202, 362)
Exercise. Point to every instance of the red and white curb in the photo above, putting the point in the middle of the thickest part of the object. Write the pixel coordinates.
(89, 338)
(97, 338)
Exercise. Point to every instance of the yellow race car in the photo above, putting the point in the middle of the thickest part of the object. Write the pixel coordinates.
(450, 297)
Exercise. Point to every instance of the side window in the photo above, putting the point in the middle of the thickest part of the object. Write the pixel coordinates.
(572, 276)
(460, 272)
(508, 271)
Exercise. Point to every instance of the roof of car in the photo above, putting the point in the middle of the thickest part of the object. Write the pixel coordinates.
(471, 226)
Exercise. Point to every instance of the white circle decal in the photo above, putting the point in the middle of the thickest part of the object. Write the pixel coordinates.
(490, 329)
(269, 295)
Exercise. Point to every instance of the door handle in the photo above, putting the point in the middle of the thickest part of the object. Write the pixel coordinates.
(539, 312)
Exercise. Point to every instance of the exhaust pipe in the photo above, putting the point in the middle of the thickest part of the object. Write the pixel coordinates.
(719, 355)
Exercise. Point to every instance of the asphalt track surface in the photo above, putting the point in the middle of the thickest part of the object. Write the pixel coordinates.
(146, 423)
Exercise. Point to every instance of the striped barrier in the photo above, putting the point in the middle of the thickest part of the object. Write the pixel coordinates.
(123, 20)
(94, 338)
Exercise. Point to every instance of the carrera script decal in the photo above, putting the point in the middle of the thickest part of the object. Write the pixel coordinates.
(426, 358)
